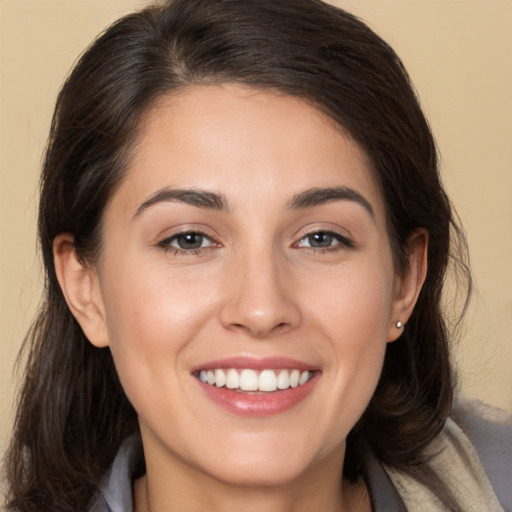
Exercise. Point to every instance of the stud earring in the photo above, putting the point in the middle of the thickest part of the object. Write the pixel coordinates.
(399, 325)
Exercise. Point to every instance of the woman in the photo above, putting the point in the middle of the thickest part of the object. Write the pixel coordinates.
(245, 238)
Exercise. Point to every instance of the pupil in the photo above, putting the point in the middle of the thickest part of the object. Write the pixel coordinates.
(320, 240)
(190, 241)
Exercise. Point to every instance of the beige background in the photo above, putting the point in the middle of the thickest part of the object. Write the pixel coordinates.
(459, 54)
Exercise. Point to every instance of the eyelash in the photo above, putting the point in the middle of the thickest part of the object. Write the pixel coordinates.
(179, 251)
(342, 243)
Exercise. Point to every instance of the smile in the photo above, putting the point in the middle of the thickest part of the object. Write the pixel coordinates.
(257, 387)
(252, 380)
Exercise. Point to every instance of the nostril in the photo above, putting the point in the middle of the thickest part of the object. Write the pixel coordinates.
(259, 318)
(259, 330)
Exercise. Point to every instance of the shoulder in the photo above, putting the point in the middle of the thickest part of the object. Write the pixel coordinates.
(490, 431)
(472, 455)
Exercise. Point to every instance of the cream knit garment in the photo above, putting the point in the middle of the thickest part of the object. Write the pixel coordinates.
(456, 461)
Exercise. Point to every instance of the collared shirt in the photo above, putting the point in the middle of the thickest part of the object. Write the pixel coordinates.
(490, 433)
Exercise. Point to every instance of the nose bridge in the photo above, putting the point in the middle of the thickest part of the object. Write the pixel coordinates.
(260, 300)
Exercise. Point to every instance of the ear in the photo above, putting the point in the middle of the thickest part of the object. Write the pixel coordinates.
(408, 285)
(80, 286)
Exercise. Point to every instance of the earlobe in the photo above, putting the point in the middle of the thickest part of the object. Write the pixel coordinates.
(408, 286)
(80, 287)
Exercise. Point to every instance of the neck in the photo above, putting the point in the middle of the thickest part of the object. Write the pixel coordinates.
(319, 490)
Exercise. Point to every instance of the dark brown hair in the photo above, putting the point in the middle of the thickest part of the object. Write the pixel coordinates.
(72, 413)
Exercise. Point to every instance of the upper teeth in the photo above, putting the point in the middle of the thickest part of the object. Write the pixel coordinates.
(250, 380)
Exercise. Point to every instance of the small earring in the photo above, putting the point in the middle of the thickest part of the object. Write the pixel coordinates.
(399, 325)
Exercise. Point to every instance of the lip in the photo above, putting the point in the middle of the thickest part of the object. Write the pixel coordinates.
(257, 404)
(258, 364)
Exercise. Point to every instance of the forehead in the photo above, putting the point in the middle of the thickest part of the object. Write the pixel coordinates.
(246, 142)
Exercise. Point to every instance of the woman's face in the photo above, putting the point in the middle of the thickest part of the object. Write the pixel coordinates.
(246, 246)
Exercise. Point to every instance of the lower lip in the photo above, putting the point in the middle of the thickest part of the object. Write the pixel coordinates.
(258, 404)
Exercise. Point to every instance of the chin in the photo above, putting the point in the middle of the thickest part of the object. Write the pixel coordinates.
(254, 474)
(263, 463)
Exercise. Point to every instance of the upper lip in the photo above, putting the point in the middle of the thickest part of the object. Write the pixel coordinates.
(255, 363)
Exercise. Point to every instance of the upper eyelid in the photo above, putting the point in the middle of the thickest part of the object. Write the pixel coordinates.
(329, 231)
(166, 244)
(189, 230)
(344, 238)
(174, 236)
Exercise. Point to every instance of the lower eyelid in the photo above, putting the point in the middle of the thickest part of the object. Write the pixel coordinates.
(169, 244)
(340, 239)
(204, 238)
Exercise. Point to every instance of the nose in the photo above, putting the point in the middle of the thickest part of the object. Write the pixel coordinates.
(259, 298)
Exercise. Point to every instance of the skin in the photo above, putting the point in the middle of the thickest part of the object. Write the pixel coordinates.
(256, 288)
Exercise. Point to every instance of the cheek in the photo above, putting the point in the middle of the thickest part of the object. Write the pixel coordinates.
(362, 326)
(359, 341)
(151, 318)
(354, 315)
(356, 301)
(147, 303)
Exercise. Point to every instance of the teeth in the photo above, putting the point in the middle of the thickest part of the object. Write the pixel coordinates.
(304, 377)
(267, 381)
(220, 378)
(249, 380)
(232, 379)
(283, 379)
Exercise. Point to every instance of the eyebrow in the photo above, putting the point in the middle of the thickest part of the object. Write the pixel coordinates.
(214, 201)
(194, 197)
(318, 196)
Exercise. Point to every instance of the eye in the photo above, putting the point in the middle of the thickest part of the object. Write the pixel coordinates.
(190, 241)
(324, 240)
